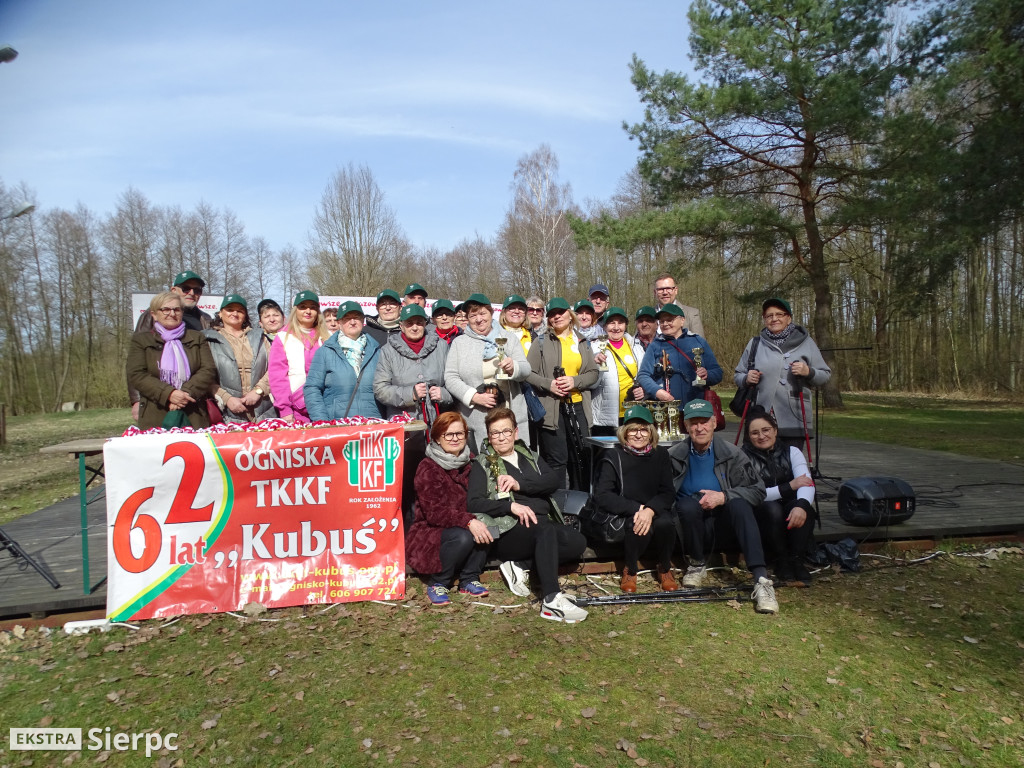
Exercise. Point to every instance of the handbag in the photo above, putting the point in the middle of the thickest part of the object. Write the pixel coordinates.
(214, 412)
(534, 407)
(745, 392)
(600, 526)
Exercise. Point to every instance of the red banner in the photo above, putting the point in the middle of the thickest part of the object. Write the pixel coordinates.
(210, 522)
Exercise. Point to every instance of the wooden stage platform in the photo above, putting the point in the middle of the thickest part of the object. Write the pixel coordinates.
(957, 496)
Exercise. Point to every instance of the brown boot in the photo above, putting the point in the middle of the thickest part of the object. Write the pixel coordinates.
(667, 580)
(628, 581)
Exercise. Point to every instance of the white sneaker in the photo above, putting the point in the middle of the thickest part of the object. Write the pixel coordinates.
(764, 596)
(517, 578)
(562, 608)
(694, 576)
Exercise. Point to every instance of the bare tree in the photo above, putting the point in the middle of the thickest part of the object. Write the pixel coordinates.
(535, 240)
(356, 243)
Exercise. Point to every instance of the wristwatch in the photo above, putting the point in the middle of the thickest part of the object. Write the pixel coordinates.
(259, 391)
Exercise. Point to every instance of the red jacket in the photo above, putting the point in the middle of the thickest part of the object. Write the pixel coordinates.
(440, 504)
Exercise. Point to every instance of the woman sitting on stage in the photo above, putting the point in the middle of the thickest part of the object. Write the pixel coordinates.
(444, 538)
(510, 492)
(786, 516)
(634, 482)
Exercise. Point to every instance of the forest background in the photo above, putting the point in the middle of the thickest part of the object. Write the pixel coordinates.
(863, 159)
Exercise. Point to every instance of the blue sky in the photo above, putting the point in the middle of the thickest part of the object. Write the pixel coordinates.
(254, 105)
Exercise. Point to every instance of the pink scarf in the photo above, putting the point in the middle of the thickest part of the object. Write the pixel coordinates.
(174, 367)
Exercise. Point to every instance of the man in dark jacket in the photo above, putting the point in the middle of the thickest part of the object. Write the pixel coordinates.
(386, 321)
(717, 489)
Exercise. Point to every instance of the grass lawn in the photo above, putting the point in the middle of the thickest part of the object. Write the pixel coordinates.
(896, 666)
(30, 480)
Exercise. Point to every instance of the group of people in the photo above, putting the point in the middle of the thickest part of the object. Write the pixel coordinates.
(473, 487)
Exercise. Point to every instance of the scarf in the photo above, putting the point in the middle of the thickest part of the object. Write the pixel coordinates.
(593, 332)
(174, 367)
(448, 335)
(445, 460)
(782, 335)
(415, 346)
(352, 349)
(490, 348)
(642, 452)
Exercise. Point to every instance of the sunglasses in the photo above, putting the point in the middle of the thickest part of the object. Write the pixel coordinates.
(193, 289)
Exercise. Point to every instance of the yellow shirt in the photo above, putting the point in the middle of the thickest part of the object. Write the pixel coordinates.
(572, 361)
(627, 369)
(522, 334)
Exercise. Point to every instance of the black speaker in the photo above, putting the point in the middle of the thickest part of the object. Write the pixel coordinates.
(872, 501)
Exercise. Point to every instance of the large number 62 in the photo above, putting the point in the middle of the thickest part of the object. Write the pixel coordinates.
(129, 518)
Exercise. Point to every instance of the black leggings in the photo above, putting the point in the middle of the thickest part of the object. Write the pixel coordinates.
(546, 543)
(460, 552)
(779, 541)
(554, 448)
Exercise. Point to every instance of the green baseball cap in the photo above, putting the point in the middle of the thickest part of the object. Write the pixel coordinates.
(411, 310)
(557, 304)
(638, 413)
(671, 309)
(646, 311)
(412, 288)
(583, 304)
(387, 293)
(442, 305)
(777, 302)
(302, 296)
(477, 298)
(615, 312)
(184, 277)
(515, 298)
(350, 306)
(234, 298)
(698, 409)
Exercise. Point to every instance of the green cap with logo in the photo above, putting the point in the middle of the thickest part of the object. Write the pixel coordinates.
(349, 306)
(646, 311)
(671, 309)
(477, 298)
(698, 409)
(184, 277)
(583, 304)
(515, 298)
(557, 304)
(412, 288)
(302, 296)
(615, 312)
(638, 413)
(442, 305)
(411, 310)
(234, 298)
(387, 293)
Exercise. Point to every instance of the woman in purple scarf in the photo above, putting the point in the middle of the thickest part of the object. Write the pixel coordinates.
(172, 369)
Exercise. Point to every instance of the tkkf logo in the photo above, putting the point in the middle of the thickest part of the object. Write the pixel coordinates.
(371, 460)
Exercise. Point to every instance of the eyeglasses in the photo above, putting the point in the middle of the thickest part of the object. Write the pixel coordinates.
(767, 431)
(502, 433)
(171, 310)
(775, 316)
(194, 289)
(637, 431)
(453, 437)
(665, 288)
(535, 310)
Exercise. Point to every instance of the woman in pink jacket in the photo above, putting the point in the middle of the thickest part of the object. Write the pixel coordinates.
(291, 354)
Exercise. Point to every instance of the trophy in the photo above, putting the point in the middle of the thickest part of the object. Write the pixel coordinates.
(494, 468)
(599, 346)
(673, 420)
(501, 342)
(698, 362)
(659, 420)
